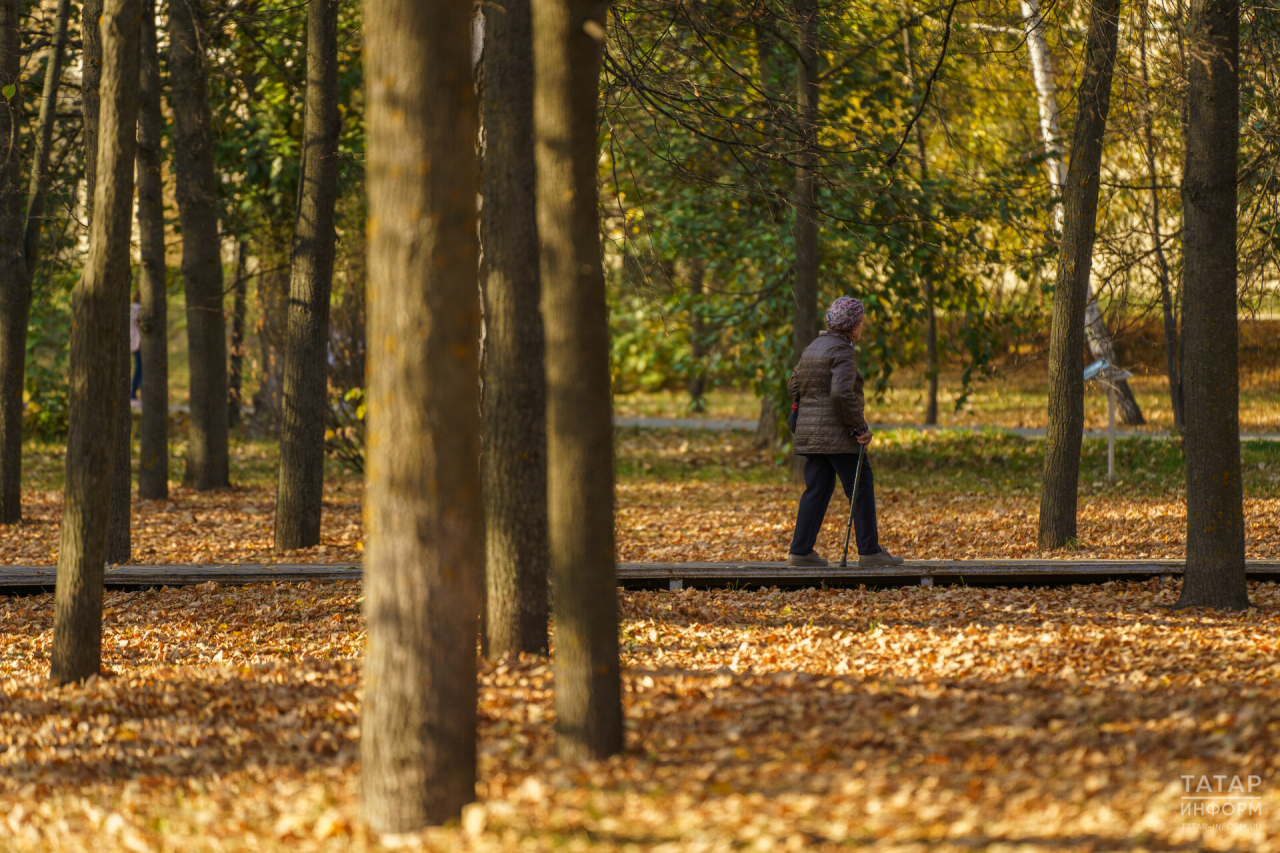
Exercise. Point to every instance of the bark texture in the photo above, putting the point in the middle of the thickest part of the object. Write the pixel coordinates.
(90, 96)
(515, 402)
(805, 286)
(153, 319)
(207, 459)
(568, 37)
(15, 283)
(1075, 260)
(121, 474)
(1096, 332)
(300, 489)
(95, 335)
(424, 510)
(1215, 574)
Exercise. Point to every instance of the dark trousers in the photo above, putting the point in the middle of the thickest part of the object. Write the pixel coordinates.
(137, 375)
(819, 482)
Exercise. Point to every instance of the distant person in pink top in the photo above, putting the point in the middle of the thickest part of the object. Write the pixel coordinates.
(135, 347)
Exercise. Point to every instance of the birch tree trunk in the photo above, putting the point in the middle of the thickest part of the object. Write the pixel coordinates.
(1096, 331)
(208, 463)
(424, 510)
(568, 38)
(15, 283)
(1215, 573)
(77, 622)
(153, 319)
(1079, 228)
(300, 490)
(515, 399)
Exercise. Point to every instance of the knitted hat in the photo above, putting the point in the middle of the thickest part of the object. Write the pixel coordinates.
(844, 314)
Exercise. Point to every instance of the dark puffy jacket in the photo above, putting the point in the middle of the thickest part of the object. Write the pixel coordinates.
(829, 387)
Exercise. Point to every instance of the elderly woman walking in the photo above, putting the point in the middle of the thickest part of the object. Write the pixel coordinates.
(830, 427)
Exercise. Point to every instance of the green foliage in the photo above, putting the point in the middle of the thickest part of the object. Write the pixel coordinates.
(344, 428)
(645, 355)
(699, 153)
(48, 354)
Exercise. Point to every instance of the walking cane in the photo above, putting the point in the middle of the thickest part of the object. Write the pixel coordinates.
(857, 477)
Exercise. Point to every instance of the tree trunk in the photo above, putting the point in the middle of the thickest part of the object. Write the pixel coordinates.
(805, 316)
(424, 564)
(515, 400)
(697, 337)
(153, 320)
(301, 484)
(95, 335)
(766, 434)
(1075, 260)
(1157, 241)
(1215, 574)
(239, 308)
(15, 283)
(118, 524)
(926, 278)
(568, 37)
(90, 81)
(1047, 91)
(207, 452)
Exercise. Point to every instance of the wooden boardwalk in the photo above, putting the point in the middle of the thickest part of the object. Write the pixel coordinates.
(29, 579)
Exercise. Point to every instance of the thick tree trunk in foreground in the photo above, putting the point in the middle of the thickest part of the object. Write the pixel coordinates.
(424, 510)
(1096, 332)
(515, 403)
(300, 488)
(15, 283)
(1075, 260)
(1215, 574)
(568, 37)
(239, 311)
(95, 334)
(207, 458)
(805, 287)
(118, 515)
(153, 320)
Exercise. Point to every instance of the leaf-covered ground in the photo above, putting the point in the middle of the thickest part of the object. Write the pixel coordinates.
(947, 719)
(700, 495)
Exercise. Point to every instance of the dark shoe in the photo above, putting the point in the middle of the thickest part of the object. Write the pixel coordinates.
(884, 558)
(810, 559)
